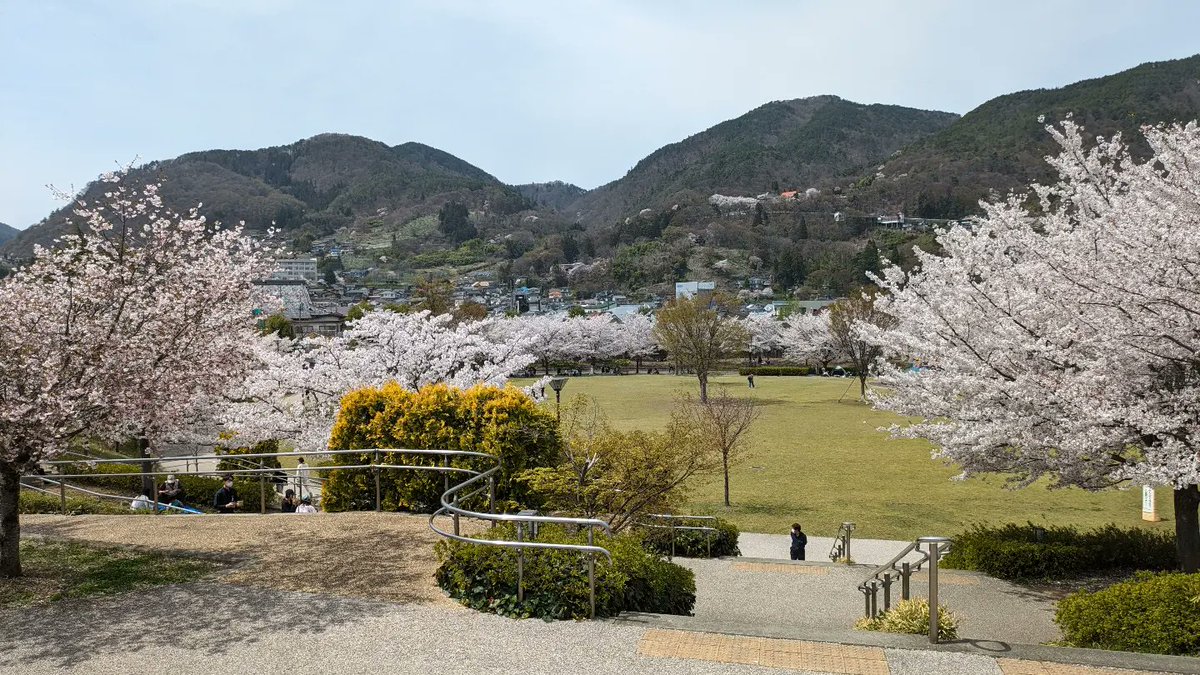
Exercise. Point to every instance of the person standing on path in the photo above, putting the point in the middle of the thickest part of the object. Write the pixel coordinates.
(750, 380)
(799, 541)
(301, 477)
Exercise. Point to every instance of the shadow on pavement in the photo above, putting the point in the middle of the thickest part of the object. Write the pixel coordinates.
(206, 618)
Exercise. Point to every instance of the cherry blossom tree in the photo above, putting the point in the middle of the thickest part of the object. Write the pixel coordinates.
(1061, 338)
(764, 333)
(637, 338)
(296, 392)
(126, 329)
(808, 337)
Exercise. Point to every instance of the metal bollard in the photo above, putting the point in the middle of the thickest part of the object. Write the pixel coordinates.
(520, 564)
(935, 551)
(591, 574)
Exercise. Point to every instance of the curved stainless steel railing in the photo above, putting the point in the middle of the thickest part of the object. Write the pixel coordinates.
(672, 517)
(451, 498)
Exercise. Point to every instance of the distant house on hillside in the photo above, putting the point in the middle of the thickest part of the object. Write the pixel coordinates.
(689, 289)
(790, 194)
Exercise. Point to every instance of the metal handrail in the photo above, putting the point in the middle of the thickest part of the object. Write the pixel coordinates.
(841, 543)
(451, 498)
(673, 527)
(885, 575)
(62, 485)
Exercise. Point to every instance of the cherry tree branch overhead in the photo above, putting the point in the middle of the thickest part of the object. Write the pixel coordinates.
(1057, 338)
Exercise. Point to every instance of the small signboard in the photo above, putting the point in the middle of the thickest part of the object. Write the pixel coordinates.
(1148, 511)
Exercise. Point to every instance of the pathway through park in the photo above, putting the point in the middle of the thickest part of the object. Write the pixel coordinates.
(353, 593)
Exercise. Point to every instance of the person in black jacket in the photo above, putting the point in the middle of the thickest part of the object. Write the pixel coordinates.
(226, 500)
(799, 541)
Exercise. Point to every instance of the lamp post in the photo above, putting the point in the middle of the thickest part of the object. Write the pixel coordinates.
(557, 384)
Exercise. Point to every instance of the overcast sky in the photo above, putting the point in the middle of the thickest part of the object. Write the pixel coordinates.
(526, 90)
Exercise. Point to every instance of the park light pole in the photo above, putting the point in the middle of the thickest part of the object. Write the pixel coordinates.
(557, 384)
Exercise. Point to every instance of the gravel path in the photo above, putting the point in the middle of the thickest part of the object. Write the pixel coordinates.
(227, 629)
(826, 597)
(387, 556)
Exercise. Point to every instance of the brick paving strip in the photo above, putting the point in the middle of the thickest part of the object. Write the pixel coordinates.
(768, 652)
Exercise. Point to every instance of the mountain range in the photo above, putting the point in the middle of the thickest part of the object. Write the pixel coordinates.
(7, 232)
(835, 155)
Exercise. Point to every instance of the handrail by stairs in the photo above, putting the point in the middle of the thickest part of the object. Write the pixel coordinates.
(885, 575)
(841, 544)
(671, 517)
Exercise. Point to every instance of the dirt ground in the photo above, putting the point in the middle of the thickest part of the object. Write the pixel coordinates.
(385, 556)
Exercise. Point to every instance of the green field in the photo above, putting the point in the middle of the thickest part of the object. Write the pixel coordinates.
(820, 462)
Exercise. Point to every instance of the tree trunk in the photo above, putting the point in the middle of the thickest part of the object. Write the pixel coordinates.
(143, 446)
(862, 385)
(703, 377)
(10, 522)
(1187, 528)
(725, 463)
(637, 368)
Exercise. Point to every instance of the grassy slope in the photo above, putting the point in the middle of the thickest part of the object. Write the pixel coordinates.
(820, 462)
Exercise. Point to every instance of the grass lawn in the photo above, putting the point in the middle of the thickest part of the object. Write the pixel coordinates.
(57, 571)
(818, 461)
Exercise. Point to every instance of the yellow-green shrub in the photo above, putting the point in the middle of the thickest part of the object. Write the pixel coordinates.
(505, 423)
(1156, 613)
(912, 616)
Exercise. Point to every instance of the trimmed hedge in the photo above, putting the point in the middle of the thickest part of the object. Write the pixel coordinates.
(773, 371)
(692, 543)
(198, 491)
(1030, 551)
(34, 502)
(505, 423)
(1154, 613)
(556, 582)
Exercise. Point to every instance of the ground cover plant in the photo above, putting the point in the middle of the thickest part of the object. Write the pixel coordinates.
(1156, 613)
(58, 571)
(912, 617)
(1031, 551)
(692, 543)
(556, 582)
(820, 461)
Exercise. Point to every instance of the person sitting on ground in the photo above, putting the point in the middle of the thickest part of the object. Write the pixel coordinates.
(306, 505)
(226, 500)
(170, 491)
(289, 503)
(799, 541)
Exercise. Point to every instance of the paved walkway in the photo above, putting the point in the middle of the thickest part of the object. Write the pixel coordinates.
(221, 628)
(862, 551)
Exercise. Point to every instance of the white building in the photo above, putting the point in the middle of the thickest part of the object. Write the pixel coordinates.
(688, 289)
(295, 269)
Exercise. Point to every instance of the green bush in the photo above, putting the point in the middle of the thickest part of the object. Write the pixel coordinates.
(35, 502)
(1155, 613)
(773, 371)
(912, 617)
(504, 423)
(693, 543)
(556, 582)
(198, 491)
(1029, 551)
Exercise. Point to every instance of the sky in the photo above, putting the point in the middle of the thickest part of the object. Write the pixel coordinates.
(534, 90)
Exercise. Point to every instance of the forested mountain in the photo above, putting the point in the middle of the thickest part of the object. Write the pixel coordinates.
(7, 232)
(780, 146)
(314, 186)
(555, 194)
(1001, 145)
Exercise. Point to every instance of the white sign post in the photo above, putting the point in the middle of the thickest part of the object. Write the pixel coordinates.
(1148, 511)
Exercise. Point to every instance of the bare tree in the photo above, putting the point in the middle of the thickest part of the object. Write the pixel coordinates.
(697, 337)
(846, 317)
(723, 423)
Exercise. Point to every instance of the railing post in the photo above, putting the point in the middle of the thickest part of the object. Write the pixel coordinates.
(887, 591)
(154, 489)
(874, 598)
(866, 601)
(708, 544)
(492, 496)
(591, 573)
(62, 495)
(262, 488)
(520, 564)
(846, 541)
(935, 552)
(375, 469)
(905, 575)
(445, 474)
(672, 556)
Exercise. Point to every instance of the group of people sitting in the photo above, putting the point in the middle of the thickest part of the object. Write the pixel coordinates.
(226, 499)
